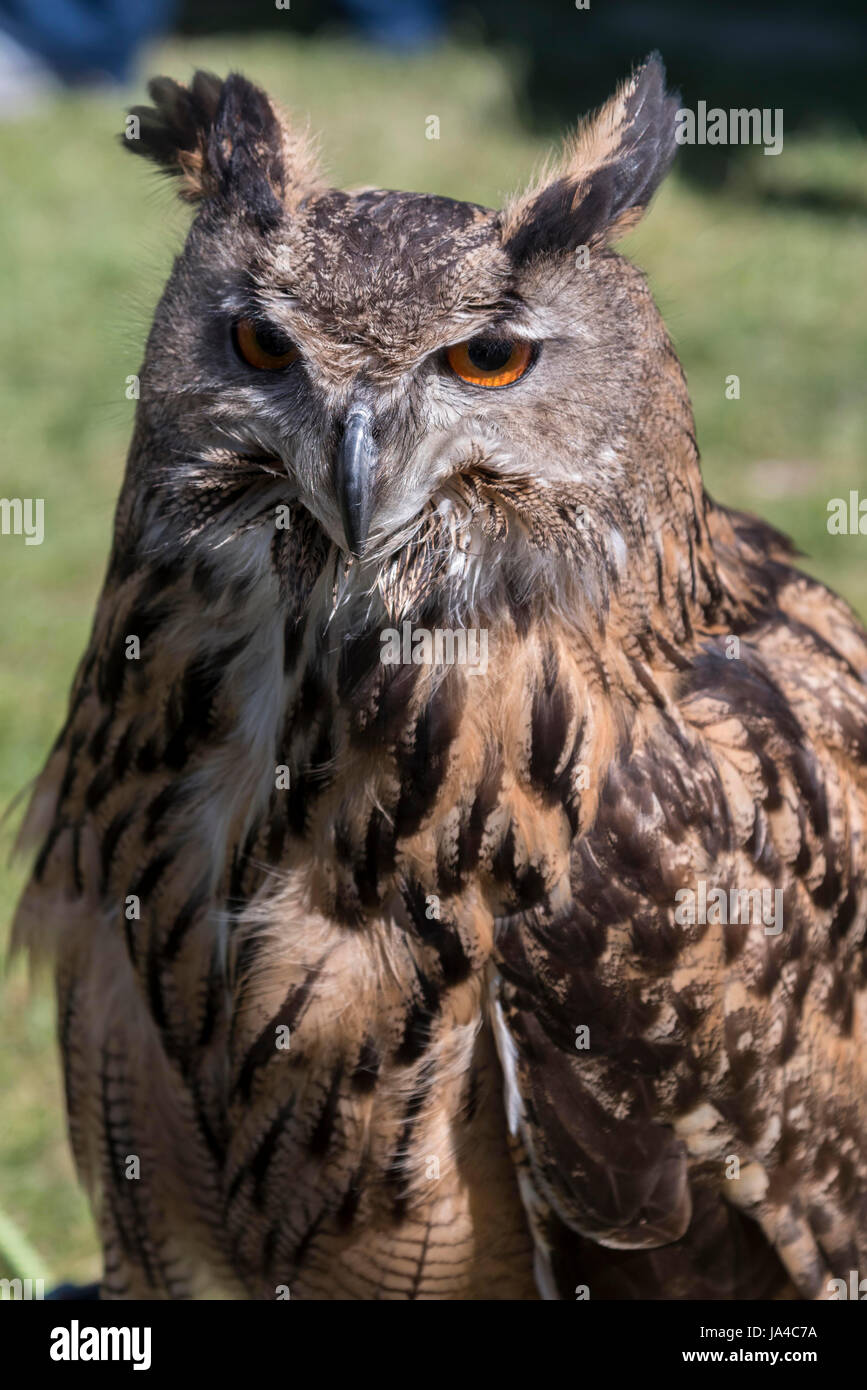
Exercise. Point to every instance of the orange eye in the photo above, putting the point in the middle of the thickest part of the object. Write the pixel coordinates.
(262, 346)
(488, 361)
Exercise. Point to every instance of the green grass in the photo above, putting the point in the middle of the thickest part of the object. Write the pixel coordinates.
(766, 290)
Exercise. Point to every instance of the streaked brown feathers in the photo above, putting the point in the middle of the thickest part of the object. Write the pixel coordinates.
(375, 969)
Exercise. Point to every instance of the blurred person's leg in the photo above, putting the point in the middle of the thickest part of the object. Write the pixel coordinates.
(403, 24)
(24, 79)
(75, 1293)
(83, 40)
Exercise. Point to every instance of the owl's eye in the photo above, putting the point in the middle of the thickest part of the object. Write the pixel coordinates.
(488, 361)
(262, 346)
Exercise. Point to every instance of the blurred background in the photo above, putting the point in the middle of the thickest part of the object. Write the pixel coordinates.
(759, 265)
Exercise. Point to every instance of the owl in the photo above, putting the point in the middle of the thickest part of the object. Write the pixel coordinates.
(453, 861)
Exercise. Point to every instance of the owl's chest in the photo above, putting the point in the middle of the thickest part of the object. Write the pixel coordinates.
(395, 831)
(366, 1112)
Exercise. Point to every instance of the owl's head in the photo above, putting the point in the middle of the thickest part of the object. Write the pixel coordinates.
(413, 370)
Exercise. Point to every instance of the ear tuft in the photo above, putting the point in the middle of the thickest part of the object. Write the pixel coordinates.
(222, 139)
(174, 131)
(608, 172)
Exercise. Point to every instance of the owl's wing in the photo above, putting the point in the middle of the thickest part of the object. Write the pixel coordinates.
(678, 1085)
(137, 824)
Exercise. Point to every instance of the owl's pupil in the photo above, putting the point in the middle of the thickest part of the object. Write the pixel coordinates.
(489, 354)
(272, 341)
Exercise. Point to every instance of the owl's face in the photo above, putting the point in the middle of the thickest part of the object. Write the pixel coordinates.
(366, 349)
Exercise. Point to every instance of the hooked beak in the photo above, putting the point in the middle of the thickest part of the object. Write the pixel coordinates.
(353, 477)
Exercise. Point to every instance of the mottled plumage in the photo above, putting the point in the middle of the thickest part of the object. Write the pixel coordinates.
(467, 868)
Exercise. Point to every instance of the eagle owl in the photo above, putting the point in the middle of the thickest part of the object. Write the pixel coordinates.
(426, 690)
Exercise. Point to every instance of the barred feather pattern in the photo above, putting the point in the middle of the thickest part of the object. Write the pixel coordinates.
(437, 872)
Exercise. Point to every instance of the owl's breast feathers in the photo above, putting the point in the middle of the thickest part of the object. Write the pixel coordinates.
(295, 894)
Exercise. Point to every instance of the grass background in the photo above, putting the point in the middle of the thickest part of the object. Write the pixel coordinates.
(751, 278)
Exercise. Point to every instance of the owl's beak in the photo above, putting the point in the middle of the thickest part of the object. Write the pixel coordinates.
(353, 477)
